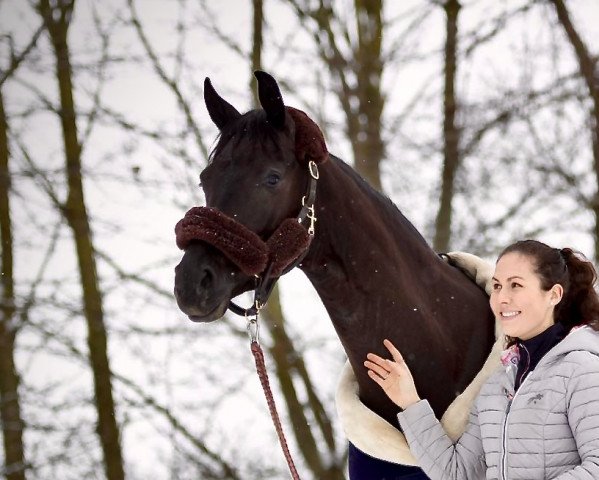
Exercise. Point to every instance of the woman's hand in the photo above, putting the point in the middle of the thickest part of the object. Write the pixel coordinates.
(393, 376)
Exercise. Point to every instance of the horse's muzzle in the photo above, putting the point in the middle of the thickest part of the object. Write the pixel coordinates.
(204, 283)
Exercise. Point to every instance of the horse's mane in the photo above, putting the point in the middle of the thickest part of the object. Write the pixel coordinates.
(389, 211)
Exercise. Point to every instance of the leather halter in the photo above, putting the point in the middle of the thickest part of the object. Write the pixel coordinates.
(264, 282)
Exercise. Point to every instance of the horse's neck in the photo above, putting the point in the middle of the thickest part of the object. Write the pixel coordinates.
(361, 238)
(378, 279)
(368, 264)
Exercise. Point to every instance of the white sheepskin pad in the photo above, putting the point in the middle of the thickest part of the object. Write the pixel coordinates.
(379, 439)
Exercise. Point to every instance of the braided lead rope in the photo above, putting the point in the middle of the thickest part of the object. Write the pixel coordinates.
(263, 376)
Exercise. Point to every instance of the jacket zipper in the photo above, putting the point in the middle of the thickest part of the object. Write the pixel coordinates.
(504, 441)
(504, 433)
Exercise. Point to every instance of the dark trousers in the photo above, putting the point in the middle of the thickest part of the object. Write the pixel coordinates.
(364, 467)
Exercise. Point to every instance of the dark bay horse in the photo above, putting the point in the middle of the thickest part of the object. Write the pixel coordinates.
(374, 272)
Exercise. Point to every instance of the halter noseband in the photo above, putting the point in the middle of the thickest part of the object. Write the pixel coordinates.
(267, 261)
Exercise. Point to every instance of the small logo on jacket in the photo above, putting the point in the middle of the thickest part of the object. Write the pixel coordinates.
(536, 398)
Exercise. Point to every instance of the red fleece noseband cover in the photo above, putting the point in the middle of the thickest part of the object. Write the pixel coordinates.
(239, 244)
(286, 244)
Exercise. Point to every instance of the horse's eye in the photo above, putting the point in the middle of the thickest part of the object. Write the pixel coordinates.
(272, 179)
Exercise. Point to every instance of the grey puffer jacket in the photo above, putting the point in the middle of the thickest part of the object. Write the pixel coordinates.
(548, 430)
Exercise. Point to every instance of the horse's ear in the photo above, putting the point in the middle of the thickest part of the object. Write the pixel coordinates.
(271, 99)
(221, 112)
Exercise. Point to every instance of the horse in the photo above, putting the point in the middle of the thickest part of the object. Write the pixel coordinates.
(374, 272)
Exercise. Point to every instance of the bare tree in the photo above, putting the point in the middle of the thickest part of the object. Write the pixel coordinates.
(497, 135)
(589, 72)
(10, 404)
(10, 401)
(57, 19)
(357, 68)
(257, 44)
(451, 133)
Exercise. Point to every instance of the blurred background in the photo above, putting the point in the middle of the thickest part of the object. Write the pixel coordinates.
(478, 118)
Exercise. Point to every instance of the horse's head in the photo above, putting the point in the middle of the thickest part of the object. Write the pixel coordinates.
(254, 184)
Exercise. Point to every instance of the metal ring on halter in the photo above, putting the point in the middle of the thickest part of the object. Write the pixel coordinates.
(313, 170)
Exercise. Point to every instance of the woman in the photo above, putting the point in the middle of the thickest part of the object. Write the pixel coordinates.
(537, 417)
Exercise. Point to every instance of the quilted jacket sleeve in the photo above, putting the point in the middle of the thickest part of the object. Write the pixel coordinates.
(583, 416)
(437, 455)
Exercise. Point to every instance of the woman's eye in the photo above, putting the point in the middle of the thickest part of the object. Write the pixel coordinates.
(496, 286)
(273, 179)
(514, 285)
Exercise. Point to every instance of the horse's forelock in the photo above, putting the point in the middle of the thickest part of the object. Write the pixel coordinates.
(253, 126)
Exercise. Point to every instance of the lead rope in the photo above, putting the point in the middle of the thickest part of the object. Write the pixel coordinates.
(263, 376)
(307, 211)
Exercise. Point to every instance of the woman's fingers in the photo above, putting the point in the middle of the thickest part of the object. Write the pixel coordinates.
(393, 351)
(379, 362)
(374, 358)
(397, 368)
(399, 387)
(378, 369)
(378, 379)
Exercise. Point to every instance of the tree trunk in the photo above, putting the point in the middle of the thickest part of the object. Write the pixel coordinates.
(10, 409)
(588, 72)
(258, 28)
(288, 361)
(451, 133)
(361, 99)
(57, 20)
(368, 146)
(289, 364)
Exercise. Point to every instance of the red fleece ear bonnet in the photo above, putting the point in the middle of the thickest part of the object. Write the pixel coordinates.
(240, 245)
(309, 140)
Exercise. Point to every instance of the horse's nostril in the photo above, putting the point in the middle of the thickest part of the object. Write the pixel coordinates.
(207, 278)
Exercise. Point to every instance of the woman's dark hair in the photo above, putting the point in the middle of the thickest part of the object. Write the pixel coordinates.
(576, 275)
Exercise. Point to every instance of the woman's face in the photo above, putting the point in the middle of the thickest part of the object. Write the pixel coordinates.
(518, 301)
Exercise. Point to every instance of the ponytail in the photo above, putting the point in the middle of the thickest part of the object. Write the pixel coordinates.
(580, 303)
